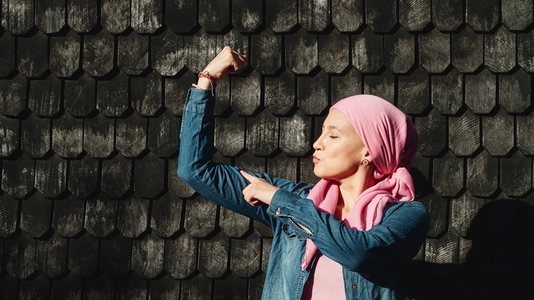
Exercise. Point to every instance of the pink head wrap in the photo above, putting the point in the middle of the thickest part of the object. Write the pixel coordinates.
(391, 140)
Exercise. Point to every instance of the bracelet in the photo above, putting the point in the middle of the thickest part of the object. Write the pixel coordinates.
(206, 74)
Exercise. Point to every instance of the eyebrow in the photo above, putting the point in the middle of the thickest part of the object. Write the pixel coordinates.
(332, 127)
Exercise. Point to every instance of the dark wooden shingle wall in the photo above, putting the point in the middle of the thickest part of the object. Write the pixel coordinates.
(91, 97)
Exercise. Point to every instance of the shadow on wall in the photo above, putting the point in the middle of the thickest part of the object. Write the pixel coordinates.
(499, 264)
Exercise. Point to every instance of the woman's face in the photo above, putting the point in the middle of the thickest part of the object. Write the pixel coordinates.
(339, 151)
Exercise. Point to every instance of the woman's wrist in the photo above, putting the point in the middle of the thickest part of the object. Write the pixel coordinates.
(205, 80)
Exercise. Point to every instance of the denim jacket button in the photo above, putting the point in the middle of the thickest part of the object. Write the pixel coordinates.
(277, 211)
(354, 286)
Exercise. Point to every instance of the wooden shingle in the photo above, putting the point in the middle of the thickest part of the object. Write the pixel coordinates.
(163, 134)
(112, 95)
(518, 14)
(98, 53)
(281, 15)
(448, 15)
(231, 286)
(51, 176)
(32, 63)
(7, 54)
(381, 16)
(165, 288)
(67, 136)
(50, 16)
(246, 94)
(83, 176)
(463, 211)
(131, 135)
(166, 215)
(415, 15)
(36, 287)
(199, 287)
(229, 135)
(176, 185)
(482, 174)
(68, 286)
(18, 176)
(147, 256)
(312, 95)
(262, 134)
(442, 251)
(132, 219)
(448, 173)
(498, 133)
(481, 92)
(233, 224)
(168, 57)
(102, 287)
(368, 51)
(266, 57)
(115, 15)
(214, 15)
(35, 215)
(446, 92)
(247, 15)
(79, 98)
(181, 15)
(51, 256)
(382, 85)
(176, 89)
(213, 256)
(314, 15)
(200, 217)
(132, 55)
(35, 136)
(146, 15)
(20, 252)
(9, 217)
(420, 171)
(295, 134)
(467, 50)
(68, 217)
(100, 216)
(500, 51)
(115, 256)
(116, 176)
(399, 51)
(13, 96)
(65, 51)
(83, 256)
(299, 45)
(525, 57)
(413, 92)
(347, 16)
(345, 85)
(18, 15)
(132, 287)
(146, 94)
(516, 175)
(44, 99)
(99, 136)
(482, 15)
(515, 92)
(82, 15)
(149, 176)
(334, 52)
(283, 166)
(181, 256)
(464, 133)
(245, 260)
(524, 140)
(279, 93)
(434, 51)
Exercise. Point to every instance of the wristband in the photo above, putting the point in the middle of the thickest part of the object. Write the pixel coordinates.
(206, 74)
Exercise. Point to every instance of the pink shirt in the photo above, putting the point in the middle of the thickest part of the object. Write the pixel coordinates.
(325, 281)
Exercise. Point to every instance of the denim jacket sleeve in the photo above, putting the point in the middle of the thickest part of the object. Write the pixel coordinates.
(396, 239)
(220, 183)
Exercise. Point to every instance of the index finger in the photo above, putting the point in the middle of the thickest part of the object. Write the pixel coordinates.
(248, 176)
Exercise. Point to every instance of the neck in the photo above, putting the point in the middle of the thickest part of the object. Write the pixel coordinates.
(350, 189)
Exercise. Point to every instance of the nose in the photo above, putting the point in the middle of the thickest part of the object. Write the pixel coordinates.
(318, 145)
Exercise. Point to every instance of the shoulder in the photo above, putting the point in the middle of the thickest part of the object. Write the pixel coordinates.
(408, 210)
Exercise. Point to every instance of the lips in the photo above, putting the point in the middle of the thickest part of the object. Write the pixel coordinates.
(315, 159)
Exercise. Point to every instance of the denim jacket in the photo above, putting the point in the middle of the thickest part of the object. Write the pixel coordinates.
(370, 259)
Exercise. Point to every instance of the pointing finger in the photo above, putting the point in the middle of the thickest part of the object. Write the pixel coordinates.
(248, 176)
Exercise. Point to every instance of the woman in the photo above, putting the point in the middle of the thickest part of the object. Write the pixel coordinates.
(345, 237)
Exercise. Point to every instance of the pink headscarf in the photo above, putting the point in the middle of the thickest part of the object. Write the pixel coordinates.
(391, 140)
